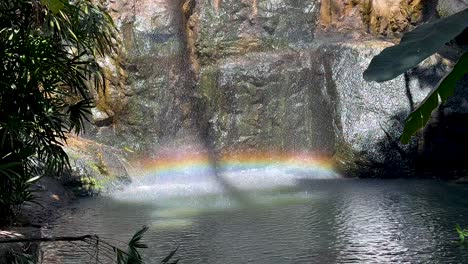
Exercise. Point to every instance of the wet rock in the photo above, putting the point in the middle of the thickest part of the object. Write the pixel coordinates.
(232, 27)
(95, 168)
(270, 101)
(316, 100)
(149, 84)
(371, 115)
(449, 7)
(101, 118)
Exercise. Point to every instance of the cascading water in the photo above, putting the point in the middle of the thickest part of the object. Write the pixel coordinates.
(183, 181)
(188, 177)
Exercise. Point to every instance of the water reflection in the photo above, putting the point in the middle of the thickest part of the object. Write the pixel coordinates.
(314, 221)
(367, 225)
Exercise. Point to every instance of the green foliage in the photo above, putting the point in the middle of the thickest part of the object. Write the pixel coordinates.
(89, 186)
(415, 46)
(135, 244)
(48, 64)
(20, 258)
(462, 233)
(54, 5)
(133, 256)
(167, 259)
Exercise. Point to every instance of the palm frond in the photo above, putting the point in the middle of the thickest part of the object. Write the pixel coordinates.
(48, 66)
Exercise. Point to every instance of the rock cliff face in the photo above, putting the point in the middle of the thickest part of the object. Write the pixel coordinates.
(312, 101)
(148, 99)
(232, 27)
(264, 74)
(270, 100)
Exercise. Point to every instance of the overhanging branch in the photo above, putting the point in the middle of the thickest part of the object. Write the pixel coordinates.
(46, 239)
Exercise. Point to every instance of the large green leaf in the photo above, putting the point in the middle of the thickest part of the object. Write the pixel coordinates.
(169, 257)
(415, 46)
(419, 117)
(55, 5)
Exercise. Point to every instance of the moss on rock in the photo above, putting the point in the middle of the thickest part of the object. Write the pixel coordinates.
(95, 168)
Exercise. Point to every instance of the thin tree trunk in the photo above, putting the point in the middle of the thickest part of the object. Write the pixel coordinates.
(46, 239)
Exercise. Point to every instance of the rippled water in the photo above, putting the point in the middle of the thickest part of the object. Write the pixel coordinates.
(310, 221)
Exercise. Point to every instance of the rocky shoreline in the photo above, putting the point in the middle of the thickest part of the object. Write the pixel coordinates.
(34, 218)
(95, 169)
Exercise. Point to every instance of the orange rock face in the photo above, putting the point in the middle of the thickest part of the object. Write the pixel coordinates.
(382, 17)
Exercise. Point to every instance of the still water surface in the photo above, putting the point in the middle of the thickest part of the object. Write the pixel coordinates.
(313, 221)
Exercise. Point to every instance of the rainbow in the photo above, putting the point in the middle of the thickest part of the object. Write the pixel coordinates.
(170, 163)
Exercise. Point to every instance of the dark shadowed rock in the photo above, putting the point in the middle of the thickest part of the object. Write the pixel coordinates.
(371, 115)
(445, 138)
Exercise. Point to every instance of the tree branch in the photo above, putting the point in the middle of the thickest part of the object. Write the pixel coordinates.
(46, 239)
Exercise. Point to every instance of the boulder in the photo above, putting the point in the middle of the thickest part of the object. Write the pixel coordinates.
(95, 168)
(371, 115)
